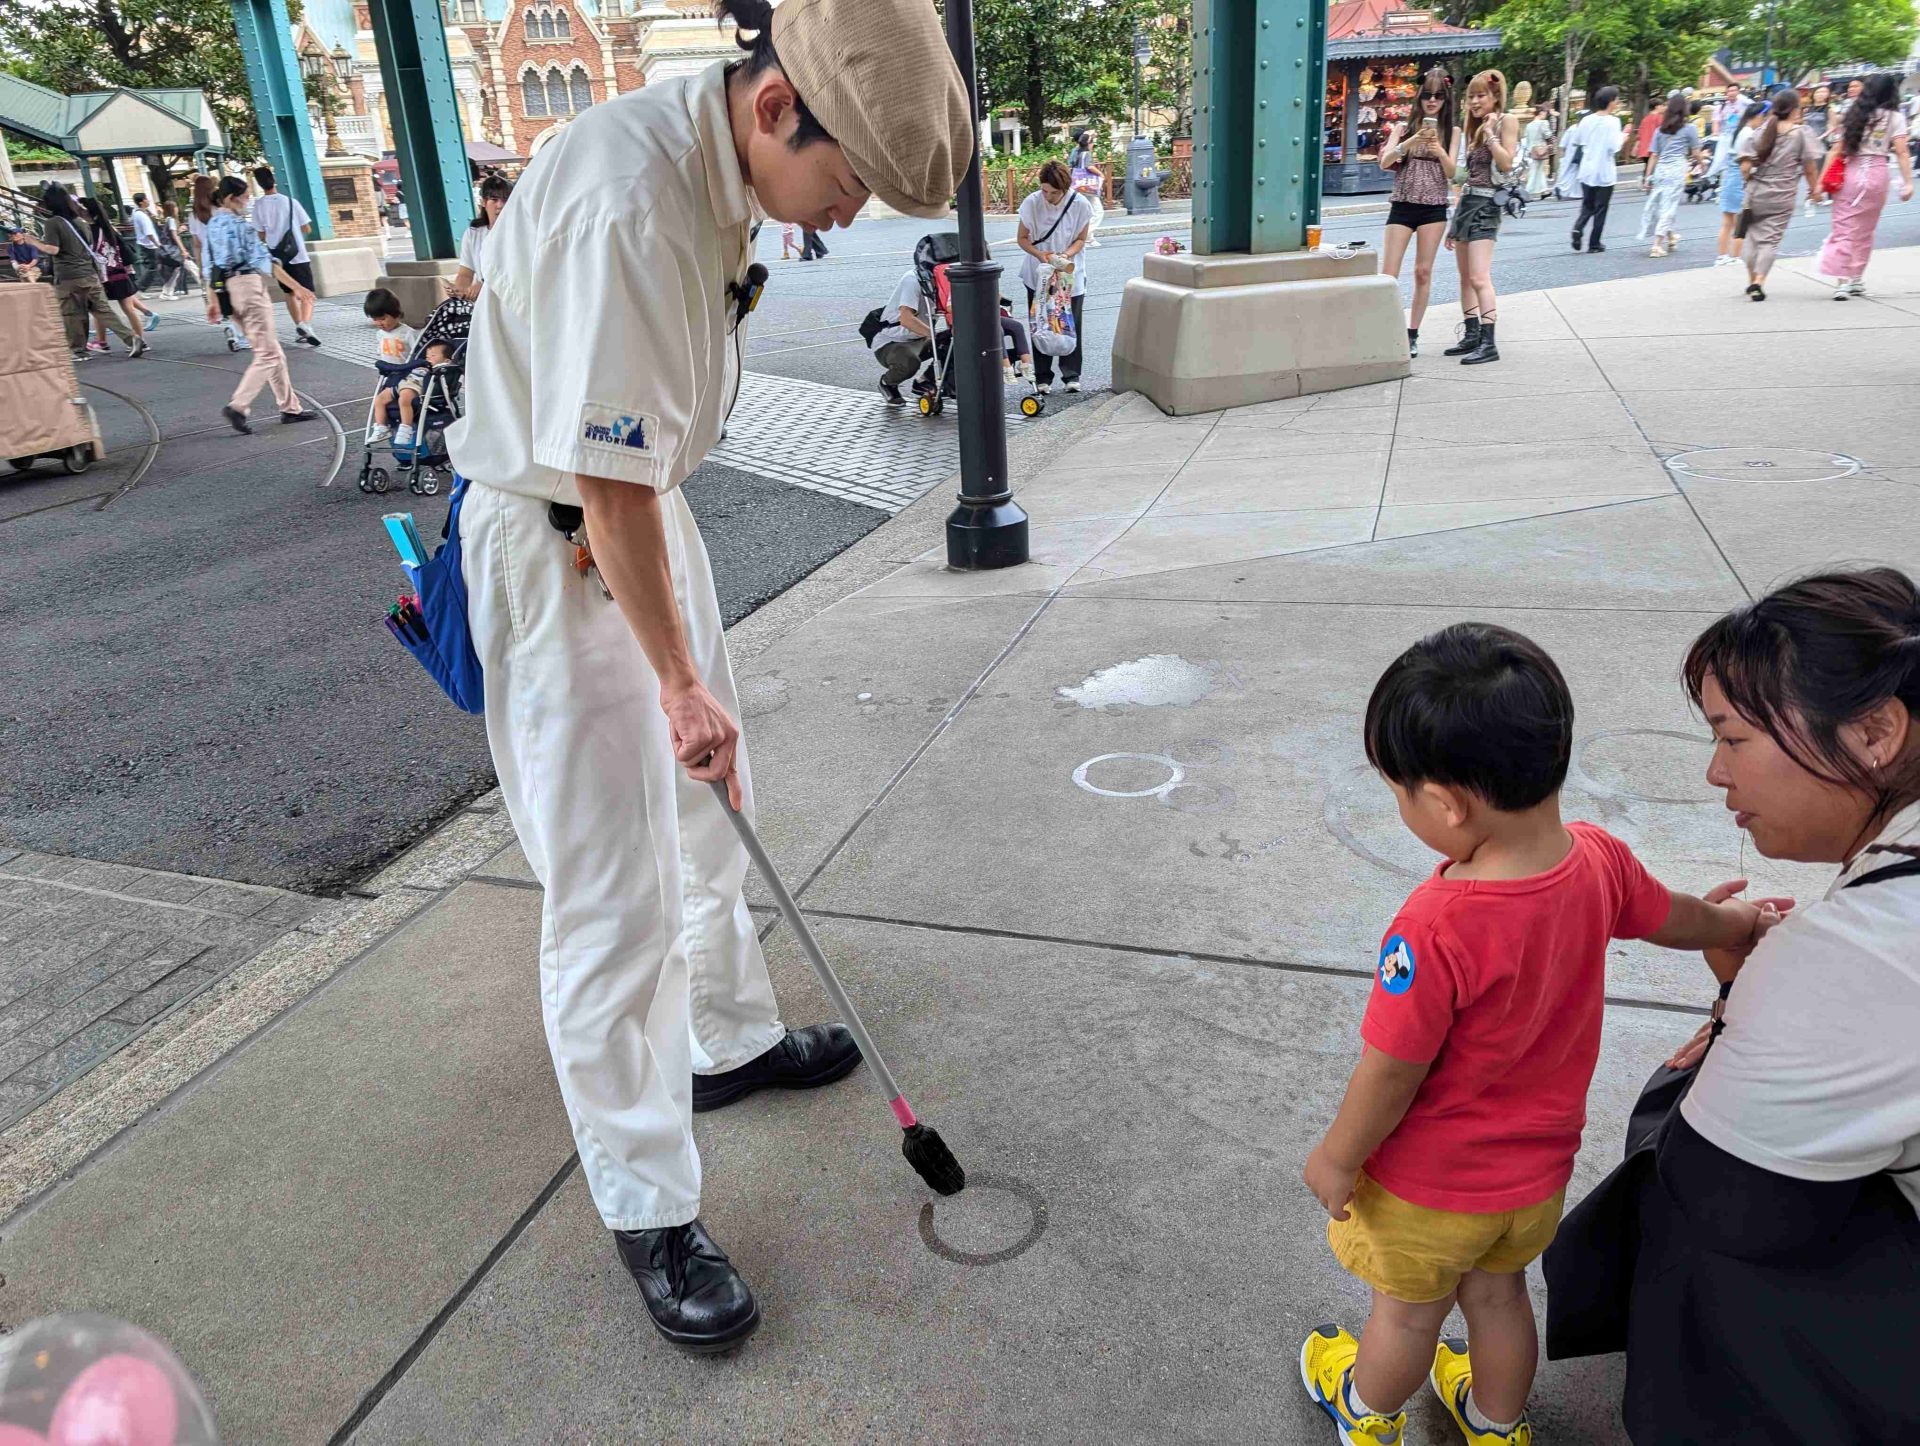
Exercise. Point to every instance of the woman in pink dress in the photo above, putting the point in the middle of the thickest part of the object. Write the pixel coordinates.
(1873, 130)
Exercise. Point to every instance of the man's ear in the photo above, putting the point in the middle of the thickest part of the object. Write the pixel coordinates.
(772, 102)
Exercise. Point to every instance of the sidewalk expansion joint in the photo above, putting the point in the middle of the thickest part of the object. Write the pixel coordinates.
(370, 1402)
(1176, 953)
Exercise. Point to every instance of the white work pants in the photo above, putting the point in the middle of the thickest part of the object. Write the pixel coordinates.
(649, 968)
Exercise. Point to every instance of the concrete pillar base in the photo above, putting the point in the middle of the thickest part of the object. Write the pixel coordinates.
(419, 285)
(1199, 333)
(340, 266)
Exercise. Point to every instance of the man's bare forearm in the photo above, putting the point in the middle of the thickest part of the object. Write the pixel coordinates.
(629, 541)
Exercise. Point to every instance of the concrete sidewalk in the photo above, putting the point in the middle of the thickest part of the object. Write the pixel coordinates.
(1094, 843)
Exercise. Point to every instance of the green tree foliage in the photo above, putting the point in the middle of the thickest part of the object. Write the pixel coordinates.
(76, 45)
(1058, 60)
(1646, 47)
(1813, 34)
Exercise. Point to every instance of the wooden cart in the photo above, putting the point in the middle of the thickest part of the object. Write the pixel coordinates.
(42, 411)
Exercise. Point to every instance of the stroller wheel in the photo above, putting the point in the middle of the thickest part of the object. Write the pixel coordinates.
(431, 484)
(1031, 406)
(413, 485)
(377, 479)
(366, 486)
(21, 464)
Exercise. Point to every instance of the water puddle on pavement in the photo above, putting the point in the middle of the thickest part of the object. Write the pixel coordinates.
(1160, 680)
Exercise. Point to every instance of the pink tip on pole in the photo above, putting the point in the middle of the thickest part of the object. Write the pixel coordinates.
(902, 1111)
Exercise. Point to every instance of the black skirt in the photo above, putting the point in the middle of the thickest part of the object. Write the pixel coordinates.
(1413, 215)
(122, 289)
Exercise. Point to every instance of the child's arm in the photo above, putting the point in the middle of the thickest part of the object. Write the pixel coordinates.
(1378, 1096)
(1719, 921)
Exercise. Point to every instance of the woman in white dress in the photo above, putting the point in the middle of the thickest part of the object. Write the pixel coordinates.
(1536, 144)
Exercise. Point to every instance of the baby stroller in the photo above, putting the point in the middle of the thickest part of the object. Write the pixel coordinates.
(1703, 183)
(425, 465)
(937, 252)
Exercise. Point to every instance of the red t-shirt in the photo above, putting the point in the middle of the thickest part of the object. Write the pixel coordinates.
(1501, 984)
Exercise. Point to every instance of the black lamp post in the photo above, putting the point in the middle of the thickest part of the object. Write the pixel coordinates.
(988, 529)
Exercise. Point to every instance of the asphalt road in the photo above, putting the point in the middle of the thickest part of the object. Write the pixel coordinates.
(198, 678)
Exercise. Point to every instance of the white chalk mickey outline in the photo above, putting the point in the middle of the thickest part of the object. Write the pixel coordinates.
(1157, 791)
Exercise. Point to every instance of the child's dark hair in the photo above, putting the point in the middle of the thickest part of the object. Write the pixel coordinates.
(755, 18)
(1473, 706)
(1813, 656)
(382, 302)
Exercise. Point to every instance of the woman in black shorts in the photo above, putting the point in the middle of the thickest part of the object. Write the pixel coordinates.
(1492, 141)
(1420, 152)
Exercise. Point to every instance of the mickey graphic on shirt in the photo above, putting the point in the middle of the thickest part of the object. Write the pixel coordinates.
(1396, 966)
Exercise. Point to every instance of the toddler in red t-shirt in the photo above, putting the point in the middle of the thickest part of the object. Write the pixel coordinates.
(1445, 1170)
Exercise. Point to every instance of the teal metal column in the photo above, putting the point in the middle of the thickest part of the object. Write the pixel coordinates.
(1259, 98)
(411, 38)
(280, 106)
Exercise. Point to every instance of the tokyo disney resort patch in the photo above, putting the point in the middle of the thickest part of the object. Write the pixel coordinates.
(617, 430)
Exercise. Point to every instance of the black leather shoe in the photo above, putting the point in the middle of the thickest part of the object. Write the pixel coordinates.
(695, 1296)
(805, 1059)
(300, 416)
(236, 419)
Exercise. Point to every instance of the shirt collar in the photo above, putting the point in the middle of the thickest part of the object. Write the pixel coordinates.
(1899, 840)
(726, 187)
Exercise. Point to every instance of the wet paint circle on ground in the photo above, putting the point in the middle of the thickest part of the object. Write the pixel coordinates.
(994, 1219)
(1763, 464)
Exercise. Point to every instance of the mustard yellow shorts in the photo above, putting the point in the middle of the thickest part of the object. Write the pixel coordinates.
(1415, 1254)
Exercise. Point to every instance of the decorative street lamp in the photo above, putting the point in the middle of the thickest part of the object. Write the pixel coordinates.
(988, 529)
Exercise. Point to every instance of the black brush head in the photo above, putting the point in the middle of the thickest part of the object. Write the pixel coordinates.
(928, 1154)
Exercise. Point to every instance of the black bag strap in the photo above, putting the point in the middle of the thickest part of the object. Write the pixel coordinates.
(1905, 869)
(1073, 198)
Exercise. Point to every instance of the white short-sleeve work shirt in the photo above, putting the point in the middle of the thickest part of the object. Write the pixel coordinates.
(603, 342)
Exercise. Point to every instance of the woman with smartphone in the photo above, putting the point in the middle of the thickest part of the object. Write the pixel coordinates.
(1492, 137)
(1421, 156)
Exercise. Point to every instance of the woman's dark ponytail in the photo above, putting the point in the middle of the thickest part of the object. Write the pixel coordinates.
(1784, 105)
(1880, 93)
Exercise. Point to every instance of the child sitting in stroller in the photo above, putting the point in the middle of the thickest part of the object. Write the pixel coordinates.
(405, 392)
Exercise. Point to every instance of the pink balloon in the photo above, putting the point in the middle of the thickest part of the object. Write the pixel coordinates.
(119, 1400)
(20, 1436)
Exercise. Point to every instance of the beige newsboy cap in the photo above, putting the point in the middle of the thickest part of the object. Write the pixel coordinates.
(879, 76)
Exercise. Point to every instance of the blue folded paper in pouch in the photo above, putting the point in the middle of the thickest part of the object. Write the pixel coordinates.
(447, 653)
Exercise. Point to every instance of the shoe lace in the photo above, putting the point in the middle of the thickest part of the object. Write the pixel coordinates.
(677, 1248)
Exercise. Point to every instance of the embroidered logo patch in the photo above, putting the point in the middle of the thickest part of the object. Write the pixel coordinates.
(626, 431)
(1396, 965)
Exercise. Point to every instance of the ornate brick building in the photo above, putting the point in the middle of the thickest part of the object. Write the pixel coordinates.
(522, 71)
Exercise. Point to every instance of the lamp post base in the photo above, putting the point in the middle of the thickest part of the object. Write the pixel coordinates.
(980, 538)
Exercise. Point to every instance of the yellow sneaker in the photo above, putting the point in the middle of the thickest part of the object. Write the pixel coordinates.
(1326, 1365)
(1451, 1378)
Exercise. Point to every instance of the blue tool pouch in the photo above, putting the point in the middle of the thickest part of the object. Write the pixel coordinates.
(448, 654)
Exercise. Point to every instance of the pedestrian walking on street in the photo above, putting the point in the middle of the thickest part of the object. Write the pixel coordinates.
(66, 237)
(175, 244)
(283, 224)
(1089, 179)
(239, 260)
(1492, 141)
(1566, 183)
(1536, 147)
(1053, 233)
(1599, 170)
(610, 704)
(118, 271)
(1819, 109)
(1777, 155)
(1874, 129)
(810, 244)
(1422, 153)
(1674, 145)
(203, 203)
(1733, 186)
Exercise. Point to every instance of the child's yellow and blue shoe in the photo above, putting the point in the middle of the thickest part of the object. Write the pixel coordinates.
(1326, 1369)
(1451, 1379)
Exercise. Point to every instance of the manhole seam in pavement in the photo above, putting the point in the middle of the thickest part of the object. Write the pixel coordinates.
(1764, 464)
(1035, 1202)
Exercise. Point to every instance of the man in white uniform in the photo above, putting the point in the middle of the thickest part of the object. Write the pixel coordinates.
(603, 358)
